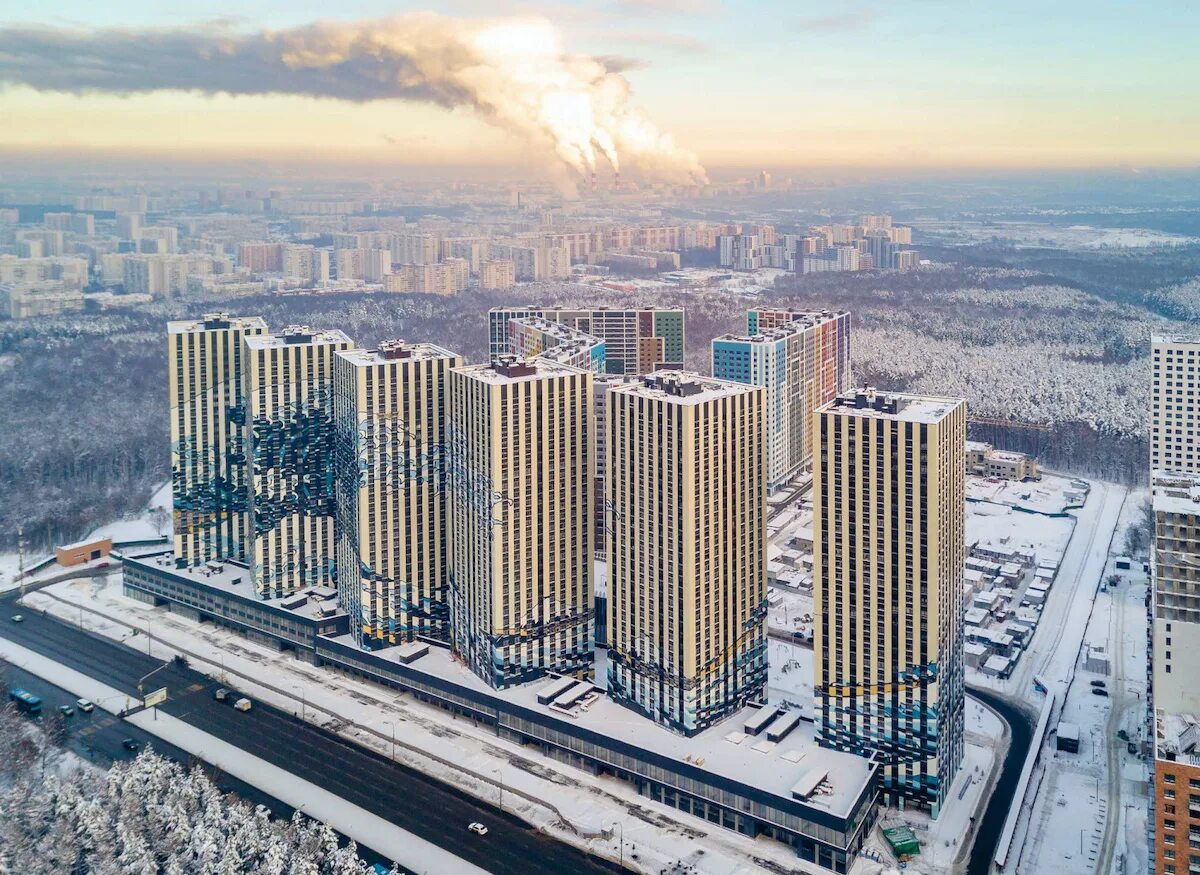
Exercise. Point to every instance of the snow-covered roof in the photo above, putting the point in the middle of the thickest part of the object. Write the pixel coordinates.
(775, 767)
(1176, 492)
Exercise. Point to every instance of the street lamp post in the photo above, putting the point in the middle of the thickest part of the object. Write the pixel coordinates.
(621, 828)
(392, 726)
(500, 778)
(302, 701)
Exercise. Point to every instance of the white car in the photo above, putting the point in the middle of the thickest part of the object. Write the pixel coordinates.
(478, 828)
(242, 704)
(85, 706)
(17, 618)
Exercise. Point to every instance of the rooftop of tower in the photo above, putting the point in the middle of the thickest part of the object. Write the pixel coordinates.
(396, 351)
(514, 369)
(898, 406)
(1181, 337)
(683, 387)
(215, 322)
(1175, 492)
(294, 335)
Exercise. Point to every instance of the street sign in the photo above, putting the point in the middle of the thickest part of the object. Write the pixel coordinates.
(155, 698)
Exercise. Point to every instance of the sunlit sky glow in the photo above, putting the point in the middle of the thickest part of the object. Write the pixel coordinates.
(929, 83)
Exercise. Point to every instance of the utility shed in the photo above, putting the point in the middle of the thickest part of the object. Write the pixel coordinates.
(784, 724)
(552, 691)
(1068, 737)
(758, 721)
(809, 782)
(903, 841)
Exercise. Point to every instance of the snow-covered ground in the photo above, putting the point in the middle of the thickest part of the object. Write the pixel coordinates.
(1051, 494)
(150, 523)
(153, 522)
(1038, 234)
(1085, 810)
(584, 807)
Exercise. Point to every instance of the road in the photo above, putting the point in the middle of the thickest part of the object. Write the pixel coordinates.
(412, 801)
(991, 823)
(1113, 750)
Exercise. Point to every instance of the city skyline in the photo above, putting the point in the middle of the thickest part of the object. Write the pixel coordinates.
(904, 87)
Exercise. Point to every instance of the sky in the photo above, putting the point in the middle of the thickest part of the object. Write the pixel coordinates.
(766, 83)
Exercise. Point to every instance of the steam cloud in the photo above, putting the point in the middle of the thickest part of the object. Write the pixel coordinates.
(513, 72)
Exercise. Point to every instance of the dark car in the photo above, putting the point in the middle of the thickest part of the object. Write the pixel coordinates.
(1099, 691)
(130, 744)
(1097, 683)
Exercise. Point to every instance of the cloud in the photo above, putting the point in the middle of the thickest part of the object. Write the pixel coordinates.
(666, 7)
(513, 72)
(855, 17)
(675, 42)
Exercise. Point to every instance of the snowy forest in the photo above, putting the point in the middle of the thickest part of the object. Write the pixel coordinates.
(1055, 366)
(146, 816)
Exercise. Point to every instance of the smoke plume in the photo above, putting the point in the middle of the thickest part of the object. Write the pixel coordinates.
(513, 72)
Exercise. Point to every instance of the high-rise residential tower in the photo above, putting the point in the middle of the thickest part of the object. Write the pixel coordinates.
(888, 528)
(1174, 392)
(288, 380)
(390, 407)
(686, 485)
(637, 341)
(803, 361)
(520, 470)
(1175, 624)
(208, 457)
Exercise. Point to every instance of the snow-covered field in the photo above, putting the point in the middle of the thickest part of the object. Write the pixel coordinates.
(1052, 494)
(1042, 235)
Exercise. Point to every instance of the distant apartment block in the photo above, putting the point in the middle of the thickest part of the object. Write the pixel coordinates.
(497, 273)
(888, 527)
(740, 251)
(445, 278)
(802, 362)
(520, 470)
(368, 265)
(390, 411)
(554, 341)
(289, 446)
(686, 481)
(209, 479)
(30, 300)
(636, 341)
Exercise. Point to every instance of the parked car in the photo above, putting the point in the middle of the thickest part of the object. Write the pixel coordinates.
(17, 618)
(221, 695)
(1099, 691)
(130, 744)
(478, 828)
(85, 706)
(66, 710)
(1097, 683)
(242, 704)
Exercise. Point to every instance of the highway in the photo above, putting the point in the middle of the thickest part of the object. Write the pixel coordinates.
(419, 804)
